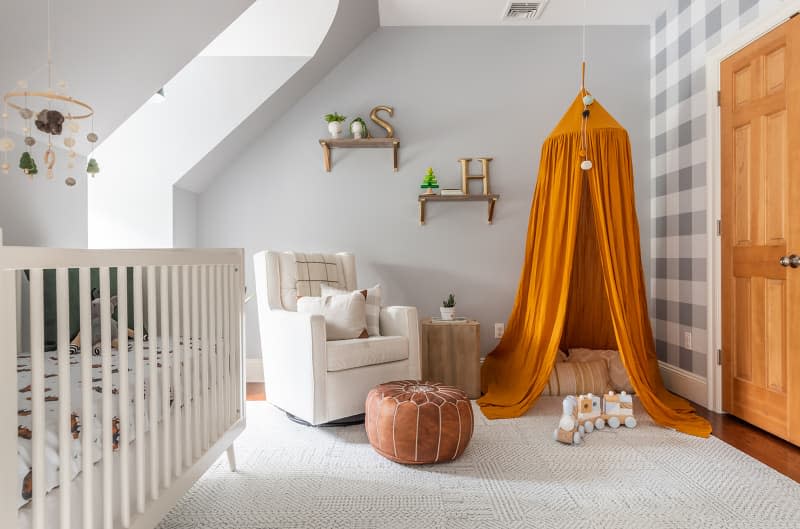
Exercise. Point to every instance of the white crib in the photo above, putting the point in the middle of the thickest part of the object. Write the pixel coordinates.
(191, 302)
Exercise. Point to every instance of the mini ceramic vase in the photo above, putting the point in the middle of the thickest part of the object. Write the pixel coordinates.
(335, 128)
(357, 129)
(448, 313)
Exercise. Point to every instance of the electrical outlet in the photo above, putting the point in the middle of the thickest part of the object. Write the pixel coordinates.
(687, 340)
(499, 329)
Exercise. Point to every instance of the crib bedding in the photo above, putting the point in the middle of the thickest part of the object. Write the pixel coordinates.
(51, 382)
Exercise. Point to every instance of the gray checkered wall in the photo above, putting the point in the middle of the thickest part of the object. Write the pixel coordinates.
(681, 37)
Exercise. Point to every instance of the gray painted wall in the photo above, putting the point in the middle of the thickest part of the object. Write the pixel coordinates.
(42, 212)
(184, 218)
(456, 92)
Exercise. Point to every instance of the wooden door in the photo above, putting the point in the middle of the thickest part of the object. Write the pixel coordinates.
(760, 117)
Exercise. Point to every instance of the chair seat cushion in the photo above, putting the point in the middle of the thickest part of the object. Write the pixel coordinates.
(348, 354)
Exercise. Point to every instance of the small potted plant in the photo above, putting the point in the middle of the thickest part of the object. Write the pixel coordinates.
(358, 128)
(448, 308)
(335, 124)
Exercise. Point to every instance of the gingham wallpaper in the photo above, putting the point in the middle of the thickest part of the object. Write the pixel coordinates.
(681, 36)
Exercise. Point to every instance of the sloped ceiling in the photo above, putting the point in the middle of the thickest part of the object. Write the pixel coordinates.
(490, 12)
(354, 21)
(113, 54)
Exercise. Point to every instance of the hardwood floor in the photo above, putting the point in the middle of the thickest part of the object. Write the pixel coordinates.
(255, 391)
(755, 442)
(770, 450)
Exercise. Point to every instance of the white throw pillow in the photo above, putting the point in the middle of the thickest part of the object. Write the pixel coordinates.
(345, 314)
(373, 305)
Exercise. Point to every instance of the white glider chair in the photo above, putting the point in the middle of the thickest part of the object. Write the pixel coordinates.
(310, 378)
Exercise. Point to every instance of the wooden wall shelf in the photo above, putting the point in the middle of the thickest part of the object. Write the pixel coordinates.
(351, 143)
(490, 199)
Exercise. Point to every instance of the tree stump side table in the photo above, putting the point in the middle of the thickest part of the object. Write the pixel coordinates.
(451, 353)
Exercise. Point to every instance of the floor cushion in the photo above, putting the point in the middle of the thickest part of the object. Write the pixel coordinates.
(578, 378)
(415, 422)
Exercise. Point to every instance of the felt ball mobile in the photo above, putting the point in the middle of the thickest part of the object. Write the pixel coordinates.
(46, 115)
(587, 99)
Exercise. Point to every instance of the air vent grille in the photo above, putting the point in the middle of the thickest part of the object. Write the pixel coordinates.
(525, 10)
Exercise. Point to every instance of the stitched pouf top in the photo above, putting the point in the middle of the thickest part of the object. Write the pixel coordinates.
(415, 422)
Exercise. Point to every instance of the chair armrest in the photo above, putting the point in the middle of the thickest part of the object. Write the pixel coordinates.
(293, 350)
(403, 321)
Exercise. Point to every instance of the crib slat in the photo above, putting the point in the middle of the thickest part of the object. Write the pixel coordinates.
(233, 341)
(238, 291)
(124, 396)
(106, 424)
(196, 358)
(138, 343)
(177, 392)
(152, 385)
(10, 335)
(187, 365)
(37, 397)
(226, 346)
(212, 350)
(64, 399)
(166, 358)
(87, 412)
(204, 353)
(220, 354)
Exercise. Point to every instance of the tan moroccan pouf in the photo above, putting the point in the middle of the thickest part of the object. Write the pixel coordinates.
(415, 422)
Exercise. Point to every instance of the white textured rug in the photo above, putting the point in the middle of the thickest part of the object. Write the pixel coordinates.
(511, 476)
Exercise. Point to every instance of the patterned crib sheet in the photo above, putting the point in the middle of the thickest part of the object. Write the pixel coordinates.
(51, 382)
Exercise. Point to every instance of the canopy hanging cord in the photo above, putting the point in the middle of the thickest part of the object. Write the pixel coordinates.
(586, 164)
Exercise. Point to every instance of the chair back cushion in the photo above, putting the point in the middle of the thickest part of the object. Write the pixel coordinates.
(301, 274)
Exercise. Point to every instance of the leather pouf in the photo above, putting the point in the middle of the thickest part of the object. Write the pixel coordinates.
(415, 422)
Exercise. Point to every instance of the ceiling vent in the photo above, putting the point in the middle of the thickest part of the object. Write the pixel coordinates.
(522, 11)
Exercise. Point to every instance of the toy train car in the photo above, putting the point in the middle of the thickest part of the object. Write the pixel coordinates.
(585, 413)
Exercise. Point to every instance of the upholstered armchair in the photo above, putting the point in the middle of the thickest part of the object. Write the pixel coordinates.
(313, 379)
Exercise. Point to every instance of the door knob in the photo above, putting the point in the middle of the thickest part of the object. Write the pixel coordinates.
(790, 260)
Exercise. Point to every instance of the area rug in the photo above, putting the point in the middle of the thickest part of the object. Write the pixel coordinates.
(513, 475)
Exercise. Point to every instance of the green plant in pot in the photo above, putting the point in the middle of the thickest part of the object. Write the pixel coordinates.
(335, 124)
(448, 308)
(358, 128)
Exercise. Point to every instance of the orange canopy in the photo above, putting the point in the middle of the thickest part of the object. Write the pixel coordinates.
(582, 283)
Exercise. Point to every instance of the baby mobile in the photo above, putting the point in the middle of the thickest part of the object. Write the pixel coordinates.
(54, 114)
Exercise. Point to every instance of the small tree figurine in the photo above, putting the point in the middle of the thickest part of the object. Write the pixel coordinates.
(448, 308)
(27, 164)
(92, 168)
(429, 182)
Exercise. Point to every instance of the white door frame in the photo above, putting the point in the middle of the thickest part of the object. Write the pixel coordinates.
(764, 24)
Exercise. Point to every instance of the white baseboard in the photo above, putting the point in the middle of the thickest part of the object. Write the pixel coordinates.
(684, 383)
(255, 370)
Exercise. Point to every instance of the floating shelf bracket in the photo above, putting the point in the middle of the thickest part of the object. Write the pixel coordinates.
(350, 143)
(491, 200)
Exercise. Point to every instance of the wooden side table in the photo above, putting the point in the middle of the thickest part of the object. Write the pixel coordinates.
(451, 353)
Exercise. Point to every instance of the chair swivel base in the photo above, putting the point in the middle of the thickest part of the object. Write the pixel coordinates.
(344, 421)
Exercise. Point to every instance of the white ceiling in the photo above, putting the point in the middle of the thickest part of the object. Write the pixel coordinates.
(490, 12)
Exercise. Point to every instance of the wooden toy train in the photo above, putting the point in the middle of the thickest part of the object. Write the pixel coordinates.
(585, 413)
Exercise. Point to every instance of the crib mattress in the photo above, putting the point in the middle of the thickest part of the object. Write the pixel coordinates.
(52, 381)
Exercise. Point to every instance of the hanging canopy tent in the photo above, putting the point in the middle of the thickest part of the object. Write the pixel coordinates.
(582, 283)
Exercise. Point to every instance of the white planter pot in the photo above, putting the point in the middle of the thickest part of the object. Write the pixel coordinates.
(448, 313)
(335, 128)
(357, 129)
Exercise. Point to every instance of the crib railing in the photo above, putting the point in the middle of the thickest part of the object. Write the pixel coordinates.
(190, 302)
